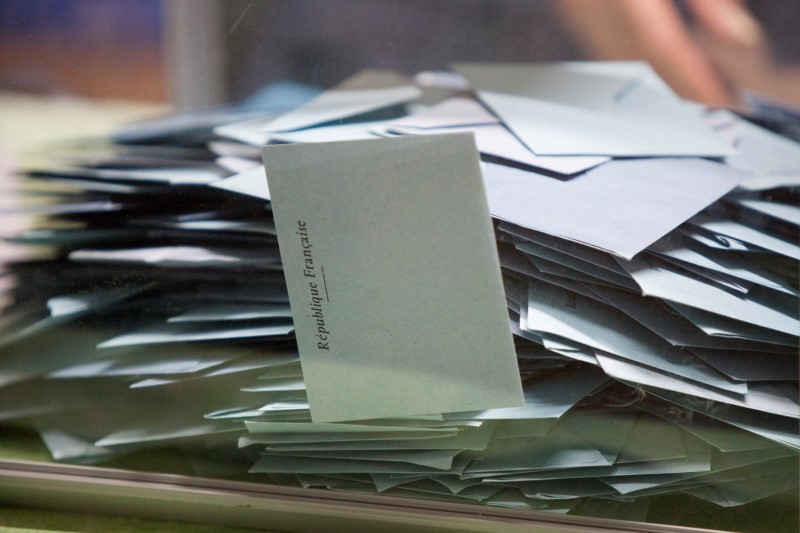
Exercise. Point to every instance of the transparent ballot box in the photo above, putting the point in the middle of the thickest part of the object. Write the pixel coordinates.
(462, 291)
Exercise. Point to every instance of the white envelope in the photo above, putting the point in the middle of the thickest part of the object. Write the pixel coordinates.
(615, 109)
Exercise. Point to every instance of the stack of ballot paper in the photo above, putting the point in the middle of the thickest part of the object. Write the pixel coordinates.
(649, 254)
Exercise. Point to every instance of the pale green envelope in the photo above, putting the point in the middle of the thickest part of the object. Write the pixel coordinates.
(393, 277)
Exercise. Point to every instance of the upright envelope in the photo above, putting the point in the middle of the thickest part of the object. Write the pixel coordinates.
(393, 277)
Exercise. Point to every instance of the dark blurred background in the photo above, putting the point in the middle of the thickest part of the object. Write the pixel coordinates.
(90, 48)
(194, 53)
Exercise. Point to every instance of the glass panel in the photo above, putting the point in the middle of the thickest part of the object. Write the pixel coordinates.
(647, 246)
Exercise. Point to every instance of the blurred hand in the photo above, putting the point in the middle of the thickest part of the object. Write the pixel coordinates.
(655, 31)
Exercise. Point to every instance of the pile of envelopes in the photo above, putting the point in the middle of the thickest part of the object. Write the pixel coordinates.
(649, 249)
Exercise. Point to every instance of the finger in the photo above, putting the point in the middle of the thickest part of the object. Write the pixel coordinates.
(662, 38)
(652, 30)
(729, 21)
